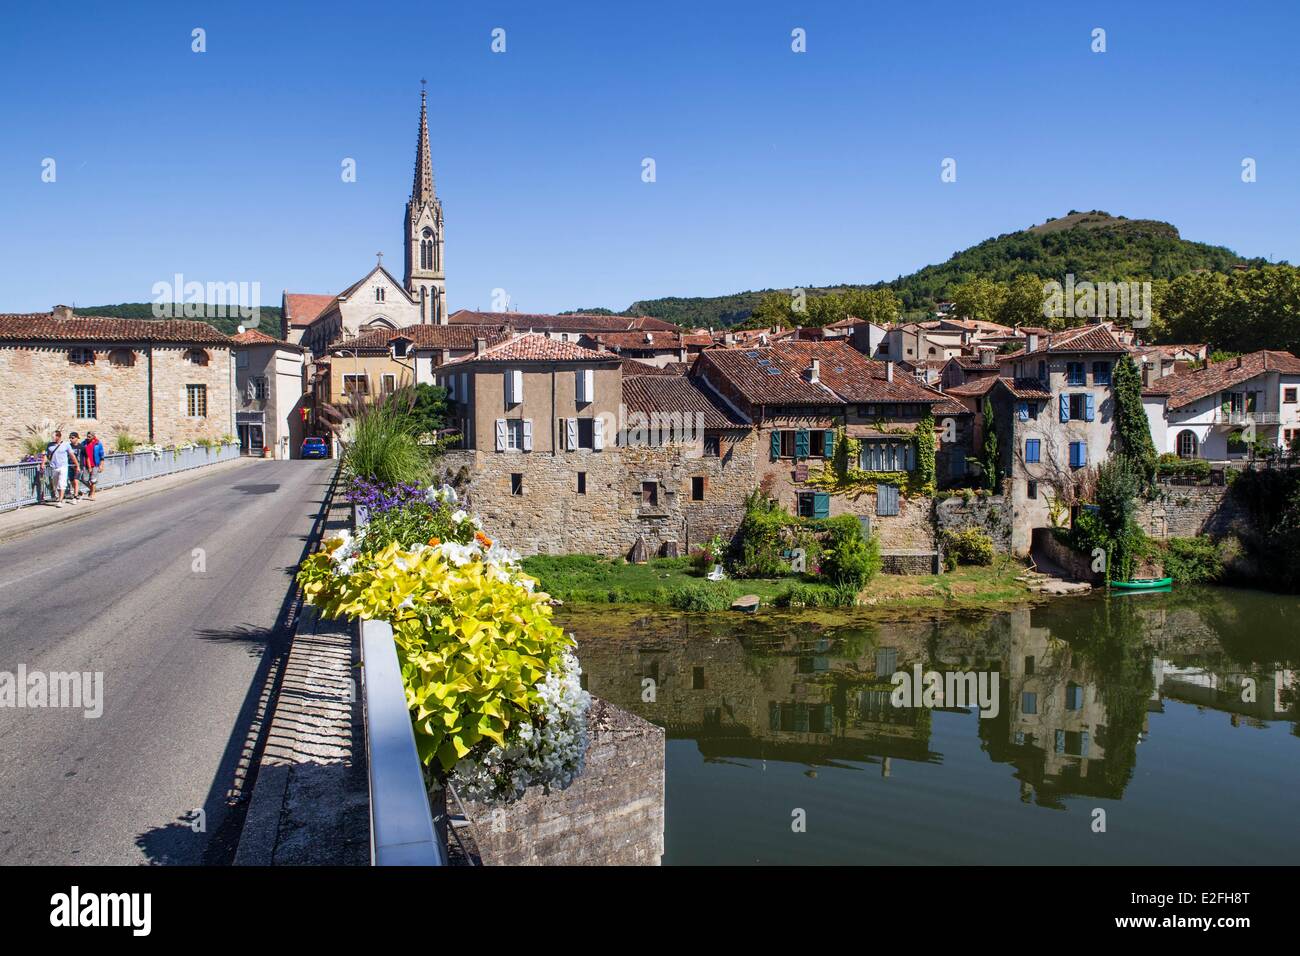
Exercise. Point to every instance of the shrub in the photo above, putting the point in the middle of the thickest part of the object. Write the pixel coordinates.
(704, 596)
(701, 560)
(817, 595)
(969, 546)
(761, 537)
(848, 558)
(384, 446)
(1192, 560)
(1171, 466)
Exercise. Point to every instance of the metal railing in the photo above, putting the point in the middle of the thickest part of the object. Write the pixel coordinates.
(401, 821)
(28, 484)
(1229, 417)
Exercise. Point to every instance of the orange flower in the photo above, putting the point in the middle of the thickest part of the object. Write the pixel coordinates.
(434, 542)
(482, 539)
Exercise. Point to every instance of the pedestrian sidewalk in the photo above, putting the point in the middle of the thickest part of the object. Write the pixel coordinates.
(34, 517)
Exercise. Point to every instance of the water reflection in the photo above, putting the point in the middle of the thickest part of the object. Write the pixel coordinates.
(1079, 683)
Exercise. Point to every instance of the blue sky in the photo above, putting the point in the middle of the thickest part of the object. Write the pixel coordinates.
(774, 169)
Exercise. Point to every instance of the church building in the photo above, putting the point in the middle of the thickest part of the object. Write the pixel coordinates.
(378, 300)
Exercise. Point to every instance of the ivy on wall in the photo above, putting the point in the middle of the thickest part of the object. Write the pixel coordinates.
(841, 476)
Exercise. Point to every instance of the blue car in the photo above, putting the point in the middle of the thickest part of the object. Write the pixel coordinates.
(315, 448)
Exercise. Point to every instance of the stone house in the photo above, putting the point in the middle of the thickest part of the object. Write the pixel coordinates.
(1207, 412)
(1054, 414)
(269, 399)
(161, 381)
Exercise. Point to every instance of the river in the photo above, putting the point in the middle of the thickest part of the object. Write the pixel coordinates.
(1142, 728)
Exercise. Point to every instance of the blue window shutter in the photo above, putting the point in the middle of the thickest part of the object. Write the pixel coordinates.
(1031, 450)
(773, 715)
(830, 442)
(1083, 743)
(801, 443)
(821, 505)
(886, 500)
(776, 445)
(1083, 453)
(1089, 407)
(1022, 411)
(911, 458)
(1065, 408)
(1060, 741)
(1074, 454)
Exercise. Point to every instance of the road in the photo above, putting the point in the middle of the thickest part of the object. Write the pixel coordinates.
(183, 601)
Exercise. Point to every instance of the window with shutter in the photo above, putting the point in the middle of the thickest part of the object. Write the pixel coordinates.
(1089, 407)
(1022, 411)
(597, 433)
(571, 434)
(528, 434)
(1032, 450)
(829, 443)
(776, 445)
(501, 434)
(821, 505)
(801, 443)
(1065, 408)
(886, 500)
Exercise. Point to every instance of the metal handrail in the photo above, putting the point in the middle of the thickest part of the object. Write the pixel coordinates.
(401, 821)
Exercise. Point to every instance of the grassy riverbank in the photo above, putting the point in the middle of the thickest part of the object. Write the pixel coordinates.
(586, 580)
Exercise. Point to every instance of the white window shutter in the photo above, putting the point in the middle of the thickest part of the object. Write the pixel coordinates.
(528, 434)
(462, 390)
(585, 383)
(515, 386)
(597, 433)
(571, 433)
(501, 434)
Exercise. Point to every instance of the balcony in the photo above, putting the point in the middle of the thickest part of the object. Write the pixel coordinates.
(1222, 417)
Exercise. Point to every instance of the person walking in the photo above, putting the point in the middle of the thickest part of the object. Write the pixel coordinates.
(55, 461)
(74, 466)
(92, 462)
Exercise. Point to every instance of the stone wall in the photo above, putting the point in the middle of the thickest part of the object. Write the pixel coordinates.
(1077, 566)
(552, 517)
(1188, 511)
(910, 562)
(39, 388)
(988, 514)
(612, 815)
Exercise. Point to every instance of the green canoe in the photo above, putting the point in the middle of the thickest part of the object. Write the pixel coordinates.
(1142, 584)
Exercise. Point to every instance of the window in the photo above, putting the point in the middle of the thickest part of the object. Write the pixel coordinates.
(786, 440)
(585, 386)
(196, 357)
(1075, 373)
(81, 356)
(1029, 665)
(514, 386)
(1081, 407)
(259, 388)
(649, 494)
(697, 678)
(379, 294)
(1029, 702)
(356, 385)
(712, 446)
(1032, 450)
(1289, 396)
(1187, 444)
(516, 483)
(515, 434)
(1078, 454)
(886, 500)
(1101, 373)
(817, 442)
(125, 358)
(814, 504)
(582, 482)
(1042, 371)
(196, 401)
(1031, 489)
(86, 406)
(389, 383)
(241, 359)
(698, 484)
(887, 456)
(586, 433)
(400, 348)
(1073, 697)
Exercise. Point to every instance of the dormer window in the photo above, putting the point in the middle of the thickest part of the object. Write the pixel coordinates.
(400, 348)
(80, 355)
(196, 357)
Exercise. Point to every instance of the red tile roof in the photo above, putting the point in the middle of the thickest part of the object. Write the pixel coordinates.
(1190, 386)
(677, 394)
(258, 337)
(422, 336)
(778, 374)
(1085, 338)
(974, 388)
(576, 322)
(536, 348)
(633, 366)
(302, 308)
(45, 327)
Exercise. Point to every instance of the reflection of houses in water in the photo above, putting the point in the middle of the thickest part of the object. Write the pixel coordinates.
(797, 697)
(1271, 697)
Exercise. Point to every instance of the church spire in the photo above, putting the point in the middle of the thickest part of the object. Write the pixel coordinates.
(422, 190)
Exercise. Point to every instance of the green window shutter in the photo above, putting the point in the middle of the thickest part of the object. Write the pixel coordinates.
(776, 445)
(821, 505)
(830, 443)
(801, 443)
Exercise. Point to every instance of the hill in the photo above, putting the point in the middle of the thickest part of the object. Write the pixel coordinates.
(1091, 245)
(269, 316)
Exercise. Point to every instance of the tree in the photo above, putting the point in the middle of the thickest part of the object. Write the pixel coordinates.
(1022, 302)
(990, 461)
(425, 407)
(1132, 433)
(979, 299)
(925, 449)
(1119, 481)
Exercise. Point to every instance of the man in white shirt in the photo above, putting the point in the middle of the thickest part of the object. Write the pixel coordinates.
(57, 454)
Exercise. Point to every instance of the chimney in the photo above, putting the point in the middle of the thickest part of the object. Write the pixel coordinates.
(815, 371)
(61, 312)
(681, 354)
(889, 371)
(1146, 373)
(729, 338)
(987, 356)
(1031, 342)
(480, 346)
(649, 337)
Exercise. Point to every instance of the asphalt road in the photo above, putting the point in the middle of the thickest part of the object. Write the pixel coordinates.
(186, 644)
